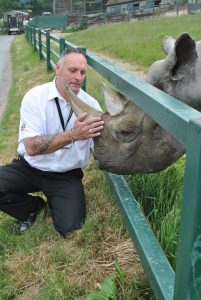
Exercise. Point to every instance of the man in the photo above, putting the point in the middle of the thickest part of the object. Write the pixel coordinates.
(54, 146)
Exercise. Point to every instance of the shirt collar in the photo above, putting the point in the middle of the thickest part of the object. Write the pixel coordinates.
(53, 92)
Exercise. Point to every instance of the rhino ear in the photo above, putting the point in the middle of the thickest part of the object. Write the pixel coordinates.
(186, 55)
(114, 101)
(168, 44)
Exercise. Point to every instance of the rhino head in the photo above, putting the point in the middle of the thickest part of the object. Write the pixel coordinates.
(131, 141)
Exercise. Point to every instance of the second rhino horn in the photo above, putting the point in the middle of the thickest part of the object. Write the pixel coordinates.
(79, 107)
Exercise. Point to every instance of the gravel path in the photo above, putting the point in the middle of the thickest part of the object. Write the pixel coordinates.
(5, 70)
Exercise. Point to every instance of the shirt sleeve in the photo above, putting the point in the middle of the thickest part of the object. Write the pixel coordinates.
(31, 121)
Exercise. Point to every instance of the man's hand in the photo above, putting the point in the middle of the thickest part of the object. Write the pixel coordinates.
(83, 130)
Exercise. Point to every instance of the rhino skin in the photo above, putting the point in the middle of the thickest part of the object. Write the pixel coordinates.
(131, 141)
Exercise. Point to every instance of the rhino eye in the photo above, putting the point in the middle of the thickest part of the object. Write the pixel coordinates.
(124, 135)
(124, 132)
(128, 135)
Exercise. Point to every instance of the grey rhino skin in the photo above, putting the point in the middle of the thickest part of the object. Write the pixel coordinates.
(131, 141)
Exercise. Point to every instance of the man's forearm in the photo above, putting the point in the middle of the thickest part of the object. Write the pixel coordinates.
(43, 144)
(46, 144)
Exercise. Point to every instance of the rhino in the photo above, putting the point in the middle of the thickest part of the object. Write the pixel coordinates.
(131, 141)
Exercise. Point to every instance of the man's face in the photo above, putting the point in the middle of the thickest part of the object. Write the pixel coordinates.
(72, 72)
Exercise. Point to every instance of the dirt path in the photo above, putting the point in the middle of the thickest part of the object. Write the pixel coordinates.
(5, 70)
(130, 67)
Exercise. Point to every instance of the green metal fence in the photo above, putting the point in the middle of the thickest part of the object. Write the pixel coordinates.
(194, 8)
(56, 22)
(184, 123)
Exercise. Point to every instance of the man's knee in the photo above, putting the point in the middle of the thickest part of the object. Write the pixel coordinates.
(66, 227)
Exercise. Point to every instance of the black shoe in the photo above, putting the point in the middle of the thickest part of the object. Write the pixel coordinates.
(32, 217)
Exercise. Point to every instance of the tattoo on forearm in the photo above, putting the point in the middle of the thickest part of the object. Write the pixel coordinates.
(41, 144)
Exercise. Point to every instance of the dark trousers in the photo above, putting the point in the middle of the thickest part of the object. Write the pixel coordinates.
(64, 192)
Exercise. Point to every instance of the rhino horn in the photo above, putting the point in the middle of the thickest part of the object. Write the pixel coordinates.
(114, 101)
(79, 107)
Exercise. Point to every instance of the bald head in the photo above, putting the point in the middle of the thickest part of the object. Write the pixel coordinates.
(71, 70)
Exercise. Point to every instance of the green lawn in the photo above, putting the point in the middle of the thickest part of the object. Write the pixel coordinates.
(138, 42)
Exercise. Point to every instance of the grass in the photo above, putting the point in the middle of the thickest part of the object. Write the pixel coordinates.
(138, 42)
(160, 198)
(41, 264)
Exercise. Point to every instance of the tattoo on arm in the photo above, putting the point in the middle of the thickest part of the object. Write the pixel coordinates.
(41, 144)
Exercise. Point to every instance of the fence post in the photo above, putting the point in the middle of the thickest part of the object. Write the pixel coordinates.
(40, 44)
(84, 84)
(29, 34)
(153, 10)
(34, 39)
(26, 32)
(61, 45)
(129, 15)
(188, 271)
(66, 22)
(48, 50)
(177, 8)
(31, 37)
(104, 17)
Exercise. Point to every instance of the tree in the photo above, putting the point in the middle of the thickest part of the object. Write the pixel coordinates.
(37, 6)
(6, 5)
(46, 5)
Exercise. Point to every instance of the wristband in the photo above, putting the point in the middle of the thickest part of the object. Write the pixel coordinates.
(71, 135)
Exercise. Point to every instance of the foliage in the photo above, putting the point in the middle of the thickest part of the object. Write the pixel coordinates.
(1, 25)
(114, 287)
(107, 290)
(37, 6)
(83, 25)
(9, 5)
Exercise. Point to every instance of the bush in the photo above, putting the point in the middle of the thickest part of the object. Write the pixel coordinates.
(81, 26)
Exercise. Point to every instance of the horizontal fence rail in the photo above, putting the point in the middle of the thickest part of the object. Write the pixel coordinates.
(184, 123)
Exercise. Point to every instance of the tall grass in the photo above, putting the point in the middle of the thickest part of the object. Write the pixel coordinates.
(160, 198)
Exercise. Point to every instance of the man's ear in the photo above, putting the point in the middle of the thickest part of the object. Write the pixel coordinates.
(57, 69)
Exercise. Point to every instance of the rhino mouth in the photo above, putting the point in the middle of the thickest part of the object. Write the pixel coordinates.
(113, 167)
(104, 165)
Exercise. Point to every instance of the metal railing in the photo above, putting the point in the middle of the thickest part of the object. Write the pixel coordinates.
(184, 123)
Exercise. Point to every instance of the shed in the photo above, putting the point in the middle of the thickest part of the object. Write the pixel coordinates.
(124, 6)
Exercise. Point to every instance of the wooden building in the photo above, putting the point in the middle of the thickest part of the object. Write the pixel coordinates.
(78, 6)
(124, 6)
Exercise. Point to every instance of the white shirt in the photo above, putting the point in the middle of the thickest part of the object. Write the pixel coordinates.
(39, 116)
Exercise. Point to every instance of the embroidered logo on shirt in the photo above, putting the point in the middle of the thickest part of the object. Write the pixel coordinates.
(23, 126)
